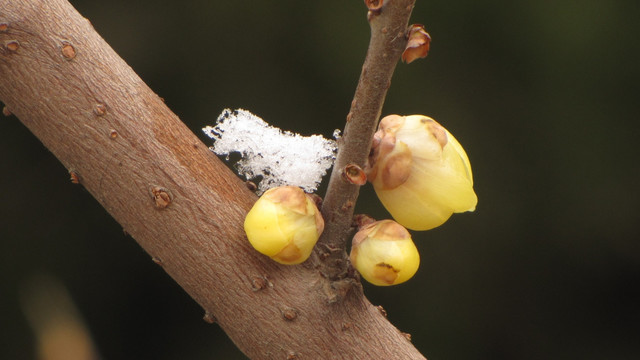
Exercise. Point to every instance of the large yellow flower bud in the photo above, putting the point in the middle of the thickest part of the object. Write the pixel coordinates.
(284, 224)
(384, 254)
(420, 172)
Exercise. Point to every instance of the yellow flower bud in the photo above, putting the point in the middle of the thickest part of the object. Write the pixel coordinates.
(284, 224)
(384, 254)
(420, 172)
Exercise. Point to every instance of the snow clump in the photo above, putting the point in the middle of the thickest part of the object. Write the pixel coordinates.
(278, 157)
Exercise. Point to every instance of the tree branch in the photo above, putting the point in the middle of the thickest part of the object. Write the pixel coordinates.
(388, 40)
(167, 190)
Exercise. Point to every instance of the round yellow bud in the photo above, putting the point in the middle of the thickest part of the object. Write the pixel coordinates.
(420, 172)
(384, 254)
(284, 224)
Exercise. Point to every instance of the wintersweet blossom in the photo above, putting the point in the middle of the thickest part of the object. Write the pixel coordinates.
(384, 254)
(284, 224)
(420, 172)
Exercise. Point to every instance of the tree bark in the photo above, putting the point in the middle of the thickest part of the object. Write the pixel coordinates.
(167, 190)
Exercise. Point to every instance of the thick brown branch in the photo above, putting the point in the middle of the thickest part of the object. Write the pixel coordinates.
(181, 204)
(388, 41)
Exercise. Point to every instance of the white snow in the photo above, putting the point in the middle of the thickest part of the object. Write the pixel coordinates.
(278, 157)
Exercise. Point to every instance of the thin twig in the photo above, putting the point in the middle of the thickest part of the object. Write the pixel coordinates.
(388, 40)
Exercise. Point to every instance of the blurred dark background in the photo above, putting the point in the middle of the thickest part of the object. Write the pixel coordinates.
(544, 95)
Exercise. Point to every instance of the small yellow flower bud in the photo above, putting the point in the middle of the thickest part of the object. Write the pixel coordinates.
(384, 254)
(284, 224)
(420, 172)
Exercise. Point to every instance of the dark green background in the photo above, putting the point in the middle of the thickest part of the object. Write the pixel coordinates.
(544, 96)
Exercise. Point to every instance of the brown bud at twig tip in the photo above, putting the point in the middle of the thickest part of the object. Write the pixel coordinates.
(75, 178)
(161, 197)
(374, 5)
(417, 44)
(375, 8)
(68, 51)
(6, 111)
(354, 174)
